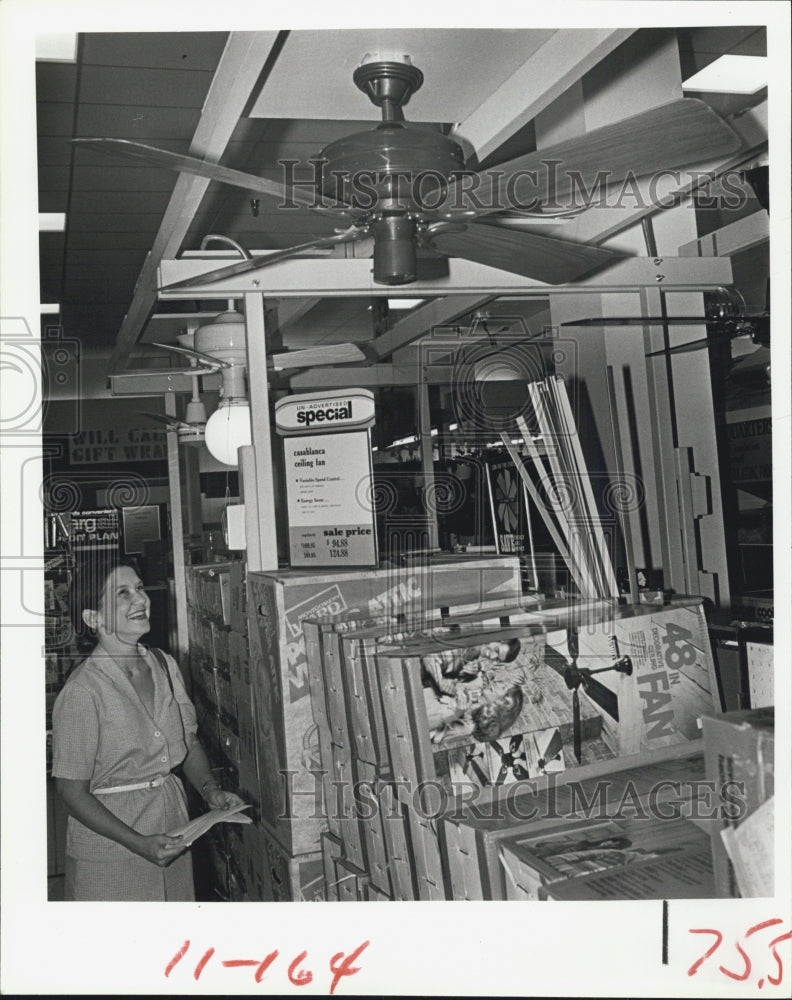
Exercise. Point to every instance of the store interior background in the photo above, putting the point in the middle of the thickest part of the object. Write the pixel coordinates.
(151, 87)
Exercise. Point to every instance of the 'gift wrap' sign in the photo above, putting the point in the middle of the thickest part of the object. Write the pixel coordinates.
(327, 458)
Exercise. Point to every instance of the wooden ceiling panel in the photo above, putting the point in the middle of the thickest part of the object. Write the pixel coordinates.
(117, 176)
(167, 49)
(54, 177)
(54, 149)
(148, 87)
(143, 124)
(109, 261)
(54, 118)
(96, 221)
(55, 81)
(101, 240)
(125, 202)
(53, 201)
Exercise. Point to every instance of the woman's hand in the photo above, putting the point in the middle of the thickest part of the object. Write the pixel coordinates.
(216, 798)
(160, 848)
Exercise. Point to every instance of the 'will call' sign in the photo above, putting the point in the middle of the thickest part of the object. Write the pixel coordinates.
(327, 458)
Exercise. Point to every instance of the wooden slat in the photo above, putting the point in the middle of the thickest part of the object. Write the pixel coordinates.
(237, 73)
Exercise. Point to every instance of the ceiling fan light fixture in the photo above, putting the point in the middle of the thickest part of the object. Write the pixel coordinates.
(228, 430)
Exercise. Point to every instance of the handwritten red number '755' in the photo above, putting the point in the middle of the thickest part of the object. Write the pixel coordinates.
(742, 974)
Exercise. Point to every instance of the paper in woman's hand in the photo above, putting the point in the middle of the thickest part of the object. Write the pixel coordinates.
(191, 831)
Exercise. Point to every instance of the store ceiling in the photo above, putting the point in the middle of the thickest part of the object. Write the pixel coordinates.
(150, 87)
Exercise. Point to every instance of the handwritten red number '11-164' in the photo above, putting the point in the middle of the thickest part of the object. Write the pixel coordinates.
(340, 965)
(741, 974)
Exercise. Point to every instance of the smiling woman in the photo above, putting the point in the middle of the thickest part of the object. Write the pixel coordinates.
(121, 724)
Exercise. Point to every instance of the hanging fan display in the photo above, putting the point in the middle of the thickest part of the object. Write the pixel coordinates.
(576, 677)
(191, 430)
(725, 316)
(411, 189)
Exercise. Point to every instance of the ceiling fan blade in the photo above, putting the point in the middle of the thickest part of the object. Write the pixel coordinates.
(266, 260)
(606, 699)
(544, 258)
(173, 423)
(154, 157)
(212, 364)
(692, 345)
(576, 740)
(647, 321)
(663, 138)
(322, 354)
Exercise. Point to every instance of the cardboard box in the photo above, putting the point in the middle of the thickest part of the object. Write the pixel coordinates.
(351, 882)
(673, 681)
(536, 863)
(370, 818)
(739, 749)
(397, 844)
(278, 603)
(332, 851)
(665, 783)
(238, 596)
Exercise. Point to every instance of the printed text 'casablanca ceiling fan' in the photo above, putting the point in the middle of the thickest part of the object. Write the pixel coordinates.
(409, 188)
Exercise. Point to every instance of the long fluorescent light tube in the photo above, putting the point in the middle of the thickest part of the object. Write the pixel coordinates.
(58, 46)
(730, 75)
(49, 308)
(52, 222)
(404, 303)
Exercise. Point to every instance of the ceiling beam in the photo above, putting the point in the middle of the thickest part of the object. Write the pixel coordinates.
(337, 278)
(372, 376)
(237, 74)
(552, 69)
(419, 322)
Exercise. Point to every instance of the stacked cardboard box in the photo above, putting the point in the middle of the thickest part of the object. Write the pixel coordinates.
(301, 732)
(398, 784)
(740, 757)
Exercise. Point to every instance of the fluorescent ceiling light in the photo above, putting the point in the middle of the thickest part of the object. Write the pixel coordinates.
(730, 75)
(404, 303)
(52, 222)
(49, 308)
(57, 46)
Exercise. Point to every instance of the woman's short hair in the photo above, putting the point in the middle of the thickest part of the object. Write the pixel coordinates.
(90, 573)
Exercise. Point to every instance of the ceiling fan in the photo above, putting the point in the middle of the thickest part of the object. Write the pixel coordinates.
(409, 188)
(726, 316)
(220, 346)
(576, 677)
(191, 430)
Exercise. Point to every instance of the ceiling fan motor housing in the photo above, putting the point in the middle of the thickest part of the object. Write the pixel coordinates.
(394, 172)
(224, 339)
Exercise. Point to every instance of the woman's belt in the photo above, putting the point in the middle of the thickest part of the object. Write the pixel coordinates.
(154, 783)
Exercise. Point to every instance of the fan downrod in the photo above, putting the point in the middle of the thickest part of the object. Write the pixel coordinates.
(389, 85)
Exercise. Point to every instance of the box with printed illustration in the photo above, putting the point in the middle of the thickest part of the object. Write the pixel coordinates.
(289, 755)
(487, 709)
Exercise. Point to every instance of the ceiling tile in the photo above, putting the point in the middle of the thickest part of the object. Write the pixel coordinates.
(149, 87)
(55, 81)
(312, 77)
(141, 123)
(169, 49)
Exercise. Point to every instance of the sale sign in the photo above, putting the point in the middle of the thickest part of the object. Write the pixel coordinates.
(331, 517)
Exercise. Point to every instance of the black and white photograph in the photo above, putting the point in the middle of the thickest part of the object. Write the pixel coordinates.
(395, 499)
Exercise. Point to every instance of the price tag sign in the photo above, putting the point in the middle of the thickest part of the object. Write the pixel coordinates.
(331, 517)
